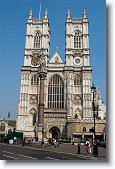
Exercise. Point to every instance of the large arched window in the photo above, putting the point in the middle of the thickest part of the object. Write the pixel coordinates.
(34, 80)
(37, 39)
(77, 79)
(3, 127)
(56, 93)
(77, 39)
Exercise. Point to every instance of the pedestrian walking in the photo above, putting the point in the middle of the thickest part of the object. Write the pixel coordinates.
(88, 147)
(42, 142)
(14, 140)
(52, 143)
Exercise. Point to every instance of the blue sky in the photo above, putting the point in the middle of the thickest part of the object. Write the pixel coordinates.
(13, 17)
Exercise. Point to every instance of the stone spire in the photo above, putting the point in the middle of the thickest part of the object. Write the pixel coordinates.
(30, 15)
(68, 14)
(84, 14)
(46, 14)
(56, 49)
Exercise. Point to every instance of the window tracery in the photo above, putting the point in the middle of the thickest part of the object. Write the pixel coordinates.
(77, 79)
(37, 39)
(77, 40)
(34, 80)
(56, 92)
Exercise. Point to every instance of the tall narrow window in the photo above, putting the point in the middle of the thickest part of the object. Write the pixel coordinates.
(34, 119)
(56, 93)
(84, 129)
(77, 79)
(37, 40)
(34, 80)
(77, 40)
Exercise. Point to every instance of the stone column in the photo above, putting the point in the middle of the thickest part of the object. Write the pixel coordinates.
(41, 100)
(42, 74)
(41, 108)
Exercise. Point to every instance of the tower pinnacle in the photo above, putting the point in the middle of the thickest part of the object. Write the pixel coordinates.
(46, 14)
(84, 14)
(68, 14)
(30, 15)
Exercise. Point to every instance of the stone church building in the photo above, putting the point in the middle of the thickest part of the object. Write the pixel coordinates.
(68, 111)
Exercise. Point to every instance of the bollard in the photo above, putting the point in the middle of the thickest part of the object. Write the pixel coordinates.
(95, 150)
(78, 151)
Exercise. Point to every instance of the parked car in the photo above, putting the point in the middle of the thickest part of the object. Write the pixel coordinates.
(101, 144)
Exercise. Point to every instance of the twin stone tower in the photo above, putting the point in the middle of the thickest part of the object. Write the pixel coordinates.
(55, 96)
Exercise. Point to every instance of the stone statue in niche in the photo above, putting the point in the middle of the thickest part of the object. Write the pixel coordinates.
(77, 113)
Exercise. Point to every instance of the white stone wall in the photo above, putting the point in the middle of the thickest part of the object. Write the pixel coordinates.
(77, 99)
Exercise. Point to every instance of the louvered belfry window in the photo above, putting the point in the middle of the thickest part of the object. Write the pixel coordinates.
(77, 40)
(37, 40)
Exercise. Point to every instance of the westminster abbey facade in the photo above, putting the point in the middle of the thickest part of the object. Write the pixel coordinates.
(68, 110)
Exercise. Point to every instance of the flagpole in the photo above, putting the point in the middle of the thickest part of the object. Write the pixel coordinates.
(40, 10)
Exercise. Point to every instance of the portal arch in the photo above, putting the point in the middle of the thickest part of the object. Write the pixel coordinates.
(55, 132)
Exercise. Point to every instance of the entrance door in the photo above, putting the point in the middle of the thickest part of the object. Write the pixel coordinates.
(55, 132)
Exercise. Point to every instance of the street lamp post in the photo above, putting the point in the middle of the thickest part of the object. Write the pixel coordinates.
(93, 88)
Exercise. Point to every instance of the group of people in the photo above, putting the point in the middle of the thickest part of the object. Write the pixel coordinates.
(54, 143)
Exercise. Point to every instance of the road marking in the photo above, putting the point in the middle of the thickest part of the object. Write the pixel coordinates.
(19, 154)
(10, 157)
(52, 158)
(69, 158)
(28, 157)
(8, 152)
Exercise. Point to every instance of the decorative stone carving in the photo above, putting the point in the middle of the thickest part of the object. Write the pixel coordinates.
(77, 100)
(33, 99)
(78, 114)
(56, 60)
(32, 111)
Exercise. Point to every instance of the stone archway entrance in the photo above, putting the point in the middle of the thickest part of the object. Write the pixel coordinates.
(55, 132)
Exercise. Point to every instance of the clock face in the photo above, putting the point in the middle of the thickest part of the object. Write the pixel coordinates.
(77, 61)
(35, 61)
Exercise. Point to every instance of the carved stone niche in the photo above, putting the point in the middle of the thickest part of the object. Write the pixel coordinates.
(78, 113)
(33, 99)
(77, 100)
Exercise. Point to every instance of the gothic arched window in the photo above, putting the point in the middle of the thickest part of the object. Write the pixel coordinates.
(9, 131)
(77, 79)
(34, 119)
(37, 39)
(56, 93)
(34, 80)
(84, 129)
(3, 127)
(77, 39)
